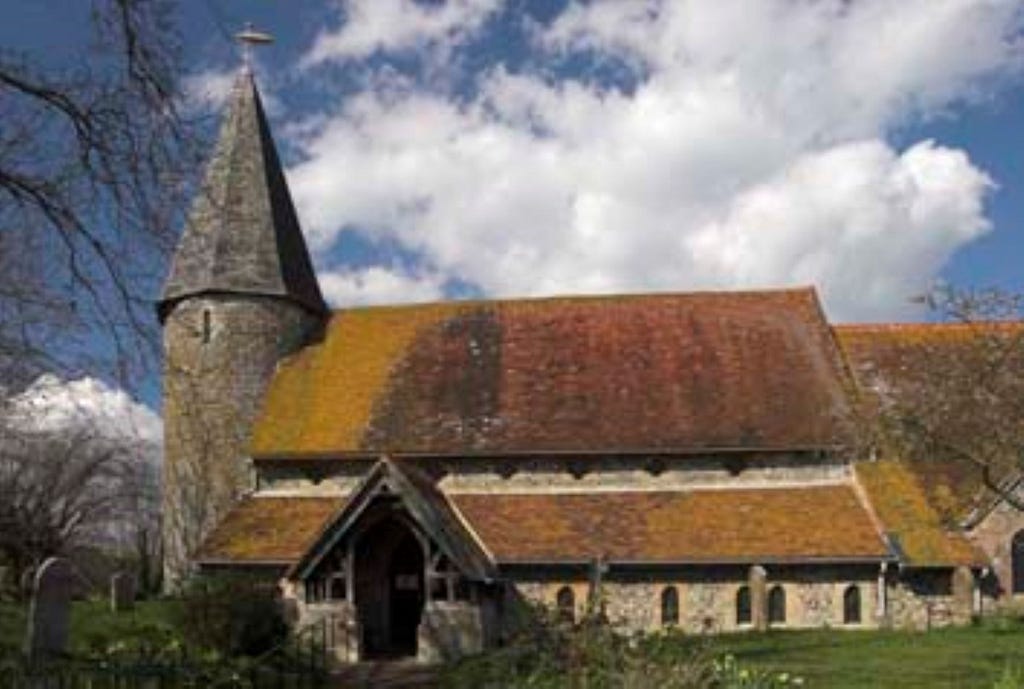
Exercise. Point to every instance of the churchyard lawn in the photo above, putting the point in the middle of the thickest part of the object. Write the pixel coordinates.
(842, 659)
(92, 622)
(961, 658)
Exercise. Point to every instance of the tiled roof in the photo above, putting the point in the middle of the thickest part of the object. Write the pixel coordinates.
(268, 529)
(900, 502)
(750, 525)
(894, 350)
(420, 498)
(242, 234)
(922, 367)
(673, 371)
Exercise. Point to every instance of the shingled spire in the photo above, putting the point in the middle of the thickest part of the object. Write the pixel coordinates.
(242, 235)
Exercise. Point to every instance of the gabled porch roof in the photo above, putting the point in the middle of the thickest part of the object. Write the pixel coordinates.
(426, 506)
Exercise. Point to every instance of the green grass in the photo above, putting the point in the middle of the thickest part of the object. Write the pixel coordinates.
(91, 622)
(961, 658)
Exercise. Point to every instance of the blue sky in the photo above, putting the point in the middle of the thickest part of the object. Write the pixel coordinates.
(477, 147)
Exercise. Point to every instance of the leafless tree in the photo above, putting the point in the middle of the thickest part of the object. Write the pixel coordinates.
(68, 488)
(94, 162)
(956, 394)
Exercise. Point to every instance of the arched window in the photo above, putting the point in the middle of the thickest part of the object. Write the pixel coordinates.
(1017, 559)
(777, 605)
(851, 605)
(743, 605)
(565, 601)
(669, 606)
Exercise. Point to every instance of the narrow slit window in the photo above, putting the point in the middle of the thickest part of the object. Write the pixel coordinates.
(851, 605)
(565, 601)
(743, 605)
(207, 326)
(670, 607)
(777, 605)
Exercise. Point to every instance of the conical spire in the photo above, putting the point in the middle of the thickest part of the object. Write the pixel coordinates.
(242, 235)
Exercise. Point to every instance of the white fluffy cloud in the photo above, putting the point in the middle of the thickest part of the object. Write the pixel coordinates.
(52, 404)
(752, 152)
(379, 285)
(209, 89)
(396, 25)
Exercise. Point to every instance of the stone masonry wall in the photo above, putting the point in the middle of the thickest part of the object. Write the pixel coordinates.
(529, 474)
(707, 600)
(519, 474)
(994, 535)
(214, 381)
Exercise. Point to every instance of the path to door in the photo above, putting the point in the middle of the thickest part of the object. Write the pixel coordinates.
(386, 675)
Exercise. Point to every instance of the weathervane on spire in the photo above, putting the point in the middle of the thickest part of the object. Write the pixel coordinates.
(249, 37)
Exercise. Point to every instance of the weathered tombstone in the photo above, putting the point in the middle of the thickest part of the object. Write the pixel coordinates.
(122, 592)
(47, 633)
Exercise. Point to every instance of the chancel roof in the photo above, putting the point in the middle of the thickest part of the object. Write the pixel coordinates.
(664, 372)
(242, 235)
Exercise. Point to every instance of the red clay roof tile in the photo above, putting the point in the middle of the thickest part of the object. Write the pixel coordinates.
(726, 525)
(268, 529)
(668, 372)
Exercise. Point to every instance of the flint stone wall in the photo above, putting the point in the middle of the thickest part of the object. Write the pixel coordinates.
(545, 474)
(994, 535)
(212, 392)
(707, 600)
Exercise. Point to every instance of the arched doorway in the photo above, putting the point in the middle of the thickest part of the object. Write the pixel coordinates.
(389, 594)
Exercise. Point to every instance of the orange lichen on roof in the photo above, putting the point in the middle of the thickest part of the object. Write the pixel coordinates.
(748, 525)
(269, 529)
(890, 348)
(323, 397)
(608, 373)
(902, 506)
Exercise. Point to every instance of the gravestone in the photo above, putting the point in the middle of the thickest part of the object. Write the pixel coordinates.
(47, 633)
(122, 592)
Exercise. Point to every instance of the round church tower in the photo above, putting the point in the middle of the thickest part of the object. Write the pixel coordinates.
(241, 295)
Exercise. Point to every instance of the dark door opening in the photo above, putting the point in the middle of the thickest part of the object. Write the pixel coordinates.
(406, 595)
(389, 590)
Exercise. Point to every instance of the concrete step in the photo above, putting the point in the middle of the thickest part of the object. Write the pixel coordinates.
(386, 675)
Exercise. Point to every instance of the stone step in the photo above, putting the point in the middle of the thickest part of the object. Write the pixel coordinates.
(386, 675)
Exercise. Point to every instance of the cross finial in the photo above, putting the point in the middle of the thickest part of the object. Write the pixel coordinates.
(248, 37)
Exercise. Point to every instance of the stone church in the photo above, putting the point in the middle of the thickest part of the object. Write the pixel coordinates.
(415, 474)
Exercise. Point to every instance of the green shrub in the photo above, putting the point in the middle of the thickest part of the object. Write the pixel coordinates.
(550, 654)
(232, 614)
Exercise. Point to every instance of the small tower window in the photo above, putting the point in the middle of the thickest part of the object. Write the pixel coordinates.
(565, 602)
(777, 605)
(669, 607)
(851, 605)
(207, 326)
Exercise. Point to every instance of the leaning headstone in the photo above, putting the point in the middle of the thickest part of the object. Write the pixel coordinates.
(122, 592)
(47, 633)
